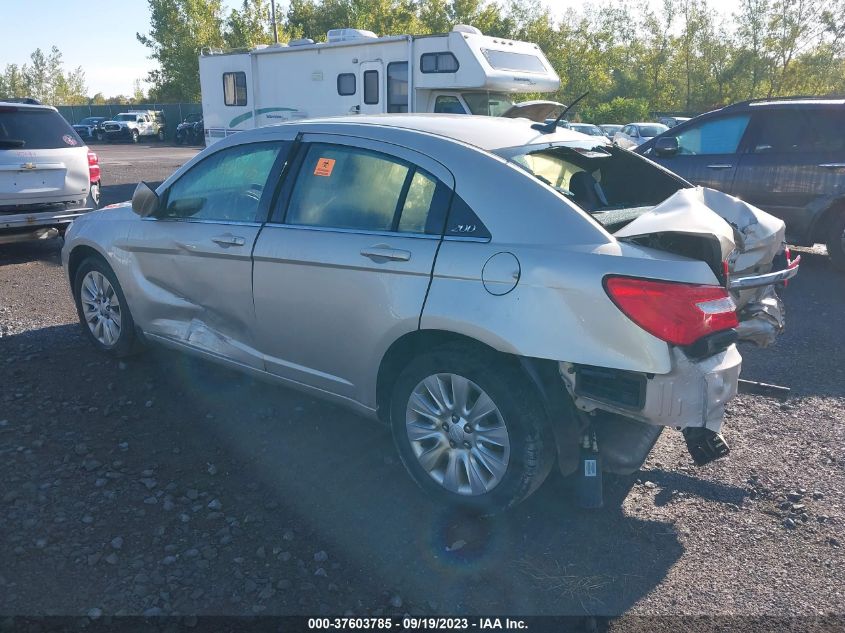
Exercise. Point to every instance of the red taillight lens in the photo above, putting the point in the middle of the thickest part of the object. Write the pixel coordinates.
(93, 167)
(674, 312)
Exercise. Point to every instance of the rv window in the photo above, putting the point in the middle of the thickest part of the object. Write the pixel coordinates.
(234, 89)
(346, 84)
(438, 63)
(447, 104)
(370, 87)
(397, 87)
(520, 62)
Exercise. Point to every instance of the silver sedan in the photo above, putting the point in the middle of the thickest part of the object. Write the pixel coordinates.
(496, 292)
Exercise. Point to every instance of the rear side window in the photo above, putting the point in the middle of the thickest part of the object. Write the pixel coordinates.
(352, 188)
(717, 136)
(463, 222)
(234, 89)
(799, 130)
(35, 129)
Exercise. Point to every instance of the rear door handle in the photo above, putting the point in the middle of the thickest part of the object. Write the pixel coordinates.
(382, 253)
(833, 165)
(228, 240)
(719, 166)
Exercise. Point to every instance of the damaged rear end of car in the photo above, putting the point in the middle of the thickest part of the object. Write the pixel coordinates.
(620, 411)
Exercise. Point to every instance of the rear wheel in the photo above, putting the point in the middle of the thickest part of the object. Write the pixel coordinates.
(102, 308)
(161, 135)
(93, 201)
(836, 242)
(469, 429)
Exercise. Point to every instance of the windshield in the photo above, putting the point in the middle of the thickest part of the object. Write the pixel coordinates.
(597, 178)
(126, 117)
(648, 131)
(88, 121)
(489, 103)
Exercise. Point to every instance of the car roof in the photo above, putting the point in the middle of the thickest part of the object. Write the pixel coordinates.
(26, 106)
(486, 132)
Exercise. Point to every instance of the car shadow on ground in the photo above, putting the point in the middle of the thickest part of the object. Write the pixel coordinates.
(284, 459)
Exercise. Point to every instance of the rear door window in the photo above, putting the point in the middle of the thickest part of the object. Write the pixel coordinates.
(22, 128)
(346, 187)
(798, 131)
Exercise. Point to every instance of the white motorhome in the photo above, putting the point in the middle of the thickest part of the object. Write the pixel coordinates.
(355, 71)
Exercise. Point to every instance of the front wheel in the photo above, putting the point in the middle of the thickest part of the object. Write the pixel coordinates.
(161, 135)
(836, 243)
(102, 309)
(469, 429)
(135, 136)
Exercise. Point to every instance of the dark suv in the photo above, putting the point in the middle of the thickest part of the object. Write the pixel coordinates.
(786, 156)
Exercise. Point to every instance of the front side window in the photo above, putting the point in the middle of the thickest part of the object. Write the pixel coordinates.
(397, 87)
(488, 103)
(225, 187)
(352, 188)
(448, 104)
(520, 62)
(346, 84)
(716, 136)
(370, 87)
(444, 62)
(234, 89)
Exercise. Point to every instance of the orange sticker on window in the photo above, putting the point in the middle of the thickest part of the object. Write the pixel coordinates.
(324, 167)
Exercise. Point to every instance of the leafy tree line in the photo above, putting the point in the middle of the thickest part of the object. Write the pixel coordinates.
(45, 79)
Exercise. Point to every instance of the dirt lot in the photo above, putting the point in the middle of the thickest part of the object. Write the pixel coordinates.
(164, 485)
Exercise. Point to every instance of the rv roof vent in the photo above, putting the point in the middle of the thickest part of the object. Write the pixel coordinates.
(466, 28)
(304, 41)
(346, 35)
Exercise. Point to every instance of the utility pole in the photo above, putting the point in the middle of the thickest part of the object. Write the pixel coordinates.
(273, 16)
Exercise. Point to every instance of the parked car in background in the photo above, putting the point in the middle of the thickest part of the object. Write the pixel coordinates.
(136, 124)
(672, 121)
(91, 128)
(786, 156)
(190, 131)
(48, 176)
(482, 323)
(610, 129)
(587, 128)
(634, 134)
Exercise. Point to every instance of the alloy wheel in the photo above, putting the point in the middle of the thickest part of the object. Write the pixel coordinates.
(457, 434)
(101, 308)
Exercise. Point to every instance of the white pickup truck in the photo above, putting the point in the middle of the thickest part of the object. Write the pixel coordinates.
(134, 124)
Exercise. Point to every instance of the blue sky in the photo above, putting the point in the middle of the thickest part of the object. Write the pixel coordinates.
(100, 37)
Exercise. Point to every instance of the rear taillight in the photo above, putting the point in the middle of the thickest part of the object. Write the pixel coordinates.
(93, 167)
(677, 313)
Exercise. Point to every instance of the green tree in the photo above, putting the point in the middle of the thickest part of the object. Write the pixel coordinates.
(179, 30)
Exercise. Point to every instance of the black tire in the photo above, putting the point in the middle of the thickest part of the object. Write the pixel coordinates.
(161, 136)
(135, 136)
(836, 242)
(100, 137)
(177, 140)
(532, 451)
(127, 342)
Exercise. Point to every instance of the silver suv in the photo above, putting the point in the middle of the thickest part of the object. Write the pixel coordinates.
(48, 176)
(504, 296)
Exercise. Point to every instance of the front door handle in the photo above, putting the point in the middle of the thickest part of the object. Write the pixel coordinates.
(381, 253)
(228, 240)
(719, 166)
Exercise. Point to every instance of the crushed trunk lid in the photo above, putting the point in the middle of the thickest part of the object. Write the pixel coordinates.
(743, 245)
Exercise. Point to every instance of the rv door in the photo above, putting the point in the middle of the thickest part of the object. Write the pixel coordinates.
(372, 93)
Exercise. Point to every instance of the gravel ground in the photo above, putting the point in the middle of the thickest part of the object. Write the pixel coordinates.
(162, 485)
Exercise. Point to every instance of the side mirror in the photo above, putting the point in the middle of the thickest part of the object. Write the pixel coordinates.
(145, 201)
(666, 146)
